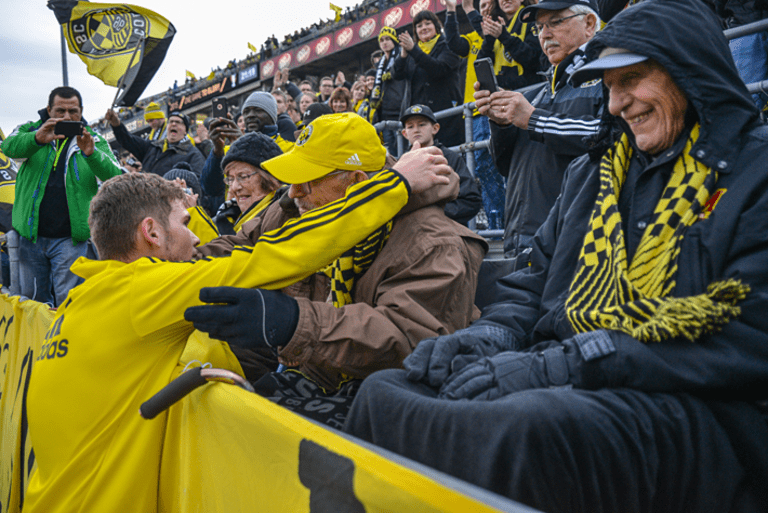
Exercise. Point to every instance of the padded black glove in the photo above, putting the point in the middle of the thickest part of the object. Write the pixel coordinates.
(496, 376)
(249, 318)
(554, 365)
(431, 361)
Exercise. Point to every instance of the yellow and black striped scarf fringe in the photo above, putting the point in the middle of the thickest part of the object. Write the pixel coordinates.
(607, 293)
(352, 264)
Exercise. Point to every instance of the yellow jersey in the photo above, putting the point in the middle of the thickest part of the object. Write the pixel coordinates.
(118, 338)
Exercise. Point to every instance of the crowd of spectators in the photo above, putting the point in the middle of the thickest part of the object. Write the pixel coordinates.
(601, 113)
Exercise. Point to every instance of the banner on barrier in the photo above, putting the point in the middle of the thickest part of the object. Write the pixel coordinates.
(22, 329)
(226, 449)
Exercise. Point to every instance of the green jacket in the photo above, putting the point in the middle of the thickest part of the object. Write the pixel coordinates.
(80, 177)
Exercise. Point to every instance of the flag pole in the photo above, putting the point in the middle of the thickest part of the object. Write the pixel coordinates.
(65, 77)
(122, 78)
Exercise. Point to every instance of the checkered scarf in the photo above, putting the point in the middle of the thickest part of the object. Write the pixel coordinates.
(352, 264)
(607, 292)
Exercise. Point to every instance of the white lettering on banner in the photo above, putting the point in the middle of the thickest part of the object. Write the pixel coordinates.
(418, 6)
(393, 17)
(303, 53)
(367, 28)
(248, 74)
(285, 61)
(268, 69)
(344, 37)
(322, 46)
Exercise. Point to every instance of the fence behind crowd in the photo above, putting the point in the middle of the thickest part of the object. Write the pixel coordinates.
(226, 449)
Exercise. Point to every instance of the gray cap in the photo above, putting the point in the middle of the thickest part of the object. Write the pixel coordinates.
(610, 58)
(264, 101)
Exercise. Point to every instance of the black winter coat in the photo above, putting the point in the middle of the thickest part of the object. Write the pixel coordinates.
(433, 80)
(153, 158)
(533, 161)
(727, 368)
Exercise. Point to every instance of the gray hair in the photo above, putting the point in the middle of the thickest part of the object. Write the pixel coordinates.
(584, 9)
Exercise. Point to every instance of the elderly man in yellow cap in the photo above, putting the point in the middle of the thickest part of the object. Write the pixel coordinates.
(155, 118)
(413, 276)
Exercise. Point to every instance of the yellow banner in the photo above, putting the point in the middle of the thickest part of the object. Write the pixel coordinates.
(22, 329)
(226, 449)
(252, 48)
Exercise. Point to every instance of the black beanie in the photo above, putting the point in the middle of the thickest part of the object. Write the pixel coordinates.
(252, 148)
(184, 171)
(180, 115)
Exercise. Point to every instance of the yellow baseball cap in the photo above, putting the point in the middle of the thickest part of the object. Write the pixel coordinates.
(335, 141)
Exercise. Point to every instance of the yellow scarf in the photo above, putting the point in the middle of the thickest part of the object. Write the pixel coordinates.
(254, 211)
(427, 46)
(608, 292)
(502, 57)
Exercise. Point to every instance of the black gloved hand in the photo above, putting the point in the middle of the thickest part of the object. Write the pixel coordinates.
(249, 318)
(508, 372)
(431, 361)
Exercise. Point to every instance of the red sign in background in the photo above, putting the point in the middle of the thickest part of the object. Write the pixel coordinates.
(398, 16)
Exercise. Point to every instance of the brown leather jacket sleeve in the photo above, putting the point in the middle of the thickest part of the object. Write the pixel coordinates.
(421, 285)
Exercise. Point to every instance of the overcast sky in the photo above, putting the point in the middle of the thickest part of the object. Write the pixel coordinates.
(208, 34)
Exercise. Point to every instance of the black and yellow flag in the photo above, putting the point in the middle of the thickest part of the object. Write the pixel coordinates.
(337, 10)
(106, 37)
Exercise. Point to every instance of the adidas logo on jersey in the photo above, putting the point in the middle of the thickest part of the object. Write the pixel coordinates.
(354, 160)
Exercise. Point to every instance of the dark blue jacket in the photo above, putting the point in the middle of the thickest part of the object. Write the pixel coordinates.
(533, 161)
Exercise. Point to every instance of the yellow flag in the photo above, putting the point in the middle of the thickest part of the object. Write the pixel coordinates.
(190, 74)
(252, 48)
(337, 10)
(212, 75)
(122, 45)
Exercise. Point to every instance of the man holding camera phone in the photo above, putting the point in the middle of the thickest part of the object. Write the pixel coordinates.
(54, 188)
(534, 136)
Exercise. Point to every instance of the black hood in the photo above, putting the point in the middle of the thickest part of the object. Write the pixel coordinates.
(684, 36)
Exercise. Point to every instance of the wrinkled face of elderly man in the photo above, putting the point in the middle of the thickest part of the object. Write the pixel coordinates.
(562, 32)
(645, 96)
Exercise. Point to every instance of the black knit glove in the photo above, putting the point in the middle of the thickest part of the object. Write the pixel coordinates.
(249, 318)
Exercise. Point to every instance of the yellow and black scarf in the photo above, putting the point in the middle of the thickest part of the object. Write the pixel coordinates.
(352, 264)
(609, 293)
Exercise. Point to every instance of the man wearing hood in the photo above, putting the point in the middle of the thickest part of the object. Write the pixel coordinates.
(413, 277)
(534, 136)
(627, 368)
(159, 157)
(54, 188)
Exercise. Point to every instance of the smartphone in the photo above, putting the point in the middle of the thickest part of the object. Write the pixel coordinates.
(220, 107)
(69, 128)
(485, 75)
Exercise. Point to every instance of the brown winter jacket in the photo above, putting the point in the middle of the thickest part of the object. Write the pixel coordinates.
(421, 285)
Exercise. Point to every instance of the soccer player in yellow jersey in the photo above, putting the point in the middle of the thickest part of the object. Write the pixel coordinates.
(118, 337)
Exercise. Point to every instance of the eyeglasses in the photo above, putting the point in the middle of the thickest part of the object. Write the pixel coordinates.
(552, 24)
(229, 180)
(318, 181)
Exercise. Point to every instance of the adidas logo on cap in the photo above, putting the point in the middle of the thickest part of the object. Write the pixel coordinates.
(354, 160)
